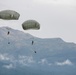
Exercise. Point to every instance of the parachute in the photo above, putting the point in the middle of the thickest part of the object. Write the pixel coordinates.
(31, 24)
(9, 15)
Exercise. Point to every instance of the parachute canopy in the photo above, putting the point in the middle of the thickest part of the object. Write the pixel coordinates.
(9, 15)
(31, 24)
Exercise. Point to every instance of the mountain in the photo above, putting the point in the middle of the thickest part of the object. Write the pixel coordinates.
(17, 57)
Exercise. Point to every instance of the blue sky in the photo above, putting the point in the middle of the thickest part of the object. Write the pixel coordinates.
(57, 17)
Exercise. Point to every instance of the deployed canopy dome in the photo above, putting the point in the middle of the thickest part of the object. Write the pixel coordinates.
(9, 15)
(31, 24)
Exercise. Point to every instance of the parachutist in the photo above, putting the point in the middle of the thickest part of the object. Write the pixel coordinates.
(8, 42)
(35, 51)
(31, 24)
(32, 42)
(8, 33)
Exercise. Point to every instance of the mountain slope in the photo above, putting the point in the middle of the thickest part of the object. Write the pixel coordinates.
(54, 56)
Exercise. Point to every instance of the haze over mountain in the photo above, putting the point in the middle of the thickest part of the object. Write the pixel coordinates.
(53, 55)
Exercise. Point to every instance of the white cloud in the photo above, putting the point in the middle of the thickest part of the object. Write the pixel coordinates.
(4, 57)
(10, 66)
(7, 57)
(26, 60)
(66, 62)
(23, 60)
(44, 61)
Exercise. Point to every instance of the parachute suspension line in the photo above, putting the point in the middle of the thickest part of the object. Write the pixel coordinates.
(8, 33)
(33, 45)
(8, 37)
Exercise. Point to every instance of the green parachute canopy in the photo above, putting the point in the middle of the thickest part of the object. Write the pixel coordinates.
(9, 15)
(31, 24)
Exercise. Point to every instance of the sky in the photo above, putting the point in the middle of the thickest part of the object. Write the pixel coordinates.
(56, 17)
